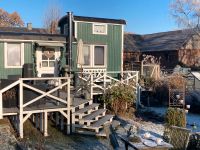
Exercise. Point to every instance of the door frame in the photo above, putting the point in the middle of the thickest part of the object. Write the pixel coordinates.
(45, 70)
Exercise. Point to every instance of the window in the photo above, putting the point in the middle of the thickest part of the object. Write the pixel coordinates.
(48, 58)
(99, 55)
(86, 55)
(14, 57)
(94, 55)
(99, 28)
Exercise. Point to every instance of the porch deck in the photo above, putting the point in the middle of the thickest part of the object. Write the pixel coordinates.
(51, 107)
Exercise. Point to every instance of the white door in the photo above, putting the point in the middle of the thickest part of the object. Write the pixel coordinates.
(47, 59)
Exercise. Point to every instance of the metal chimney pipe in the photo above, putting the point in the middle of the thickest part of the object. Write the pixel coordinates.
(70, 19)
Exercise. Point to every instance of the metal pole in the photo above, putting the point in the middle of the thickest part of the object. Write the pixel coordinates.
(70, 16)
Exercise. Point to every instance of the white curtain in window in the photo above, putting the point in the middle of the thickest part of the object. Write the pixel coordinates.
(99, 55)
(86, 54)
(14, 54)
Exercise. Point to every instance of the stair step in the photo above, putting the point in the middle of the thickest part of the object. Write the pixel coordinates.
(94, 114)
(102, 121)
(78, 101)
(85, 109)
(101, 133)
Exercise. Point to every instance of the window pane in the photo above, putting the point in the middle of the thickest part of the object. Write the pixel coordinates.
(86, 55)
(48, 54)
(99, 55)
(45, 64)
(52, 55)
(13, 54)
(51, 63)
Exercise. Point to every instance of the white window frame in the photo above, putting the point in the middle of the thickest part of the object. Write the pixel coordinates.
(92, 58)
(98, 24)
(5, 55)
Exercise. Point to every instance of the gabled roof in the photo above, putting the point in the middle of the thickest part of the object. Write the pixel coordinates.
(92, 19)
(132, 42)
(163, 41)
(22, 33)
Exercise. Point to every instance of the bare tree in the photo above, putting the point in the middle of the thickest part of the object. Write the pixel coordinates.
(187, 13)
(10, 20)
(51, 18)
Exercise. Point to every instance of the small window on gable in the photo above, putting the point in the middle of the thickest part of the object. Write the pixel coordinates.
(14, 57)
(99, 28)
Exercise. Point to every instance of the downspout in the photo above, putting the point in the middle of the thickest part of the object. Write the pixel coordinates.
(70, 16)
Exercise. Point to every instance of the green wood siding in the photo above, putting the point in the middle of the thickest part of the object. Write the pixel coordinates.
(113, 40)
(28, 58)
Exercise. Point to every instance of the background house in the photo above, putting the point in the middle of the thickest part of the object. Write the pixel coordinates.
(102, 41)
(172, 48)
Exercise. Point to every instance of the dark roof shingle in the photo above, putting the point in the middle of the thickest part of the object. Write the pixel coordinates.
(163, 41)
(23, 33)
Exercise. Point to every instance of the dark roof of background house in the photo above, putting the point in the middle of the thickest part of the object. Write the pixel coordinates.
(92, 19)
(22, 33)
(163, 41)
(132, 42)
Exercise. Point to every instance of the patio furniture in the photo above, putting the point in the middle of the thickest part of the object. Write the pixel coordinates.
(142, 146)
(194, 143)
(177, 136)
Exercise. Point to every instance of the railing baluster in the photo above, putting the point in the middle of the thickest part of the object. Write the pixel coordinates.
(1, 105)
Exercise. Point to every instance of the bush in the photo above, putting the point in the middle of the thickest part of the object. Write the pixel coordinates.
(119, 98)
(175, 117)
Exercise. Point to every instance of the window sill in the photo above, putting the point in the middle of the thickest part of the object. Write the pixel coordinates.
(13, 67)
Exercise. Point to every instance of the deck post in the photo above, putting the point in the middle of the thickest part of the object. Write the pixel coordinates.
(68, 106)
(45, 124)
(57, 118)
(21, 132)
(1, 105)
(104, 87)
(41, 122)
(91, 86)
(36, 121)
(33, 118)
(72, 122)
(61, 122)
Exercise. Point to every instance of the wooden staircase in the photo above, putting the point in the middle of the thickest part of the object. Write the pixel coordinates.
(88, 118)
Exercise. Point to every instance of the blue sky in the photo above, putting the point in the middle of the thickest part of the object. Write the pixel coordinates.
(142, 16)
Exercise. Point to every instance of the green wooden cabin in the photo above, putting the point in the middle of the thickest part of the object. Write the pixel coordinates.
(102, 41)
(29, 47)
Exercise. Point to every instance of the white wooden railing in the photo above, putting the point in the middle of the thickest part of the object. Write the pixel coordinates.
(92, 78)
(56, 84)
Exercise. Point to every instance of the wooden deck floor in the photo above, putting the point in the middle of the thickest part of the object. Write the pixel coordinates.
(15, 110)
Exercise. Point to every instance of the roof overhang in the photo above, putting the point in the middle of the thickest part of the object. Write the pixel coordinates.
(51, 44)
